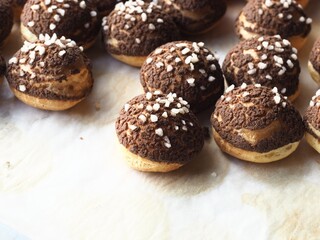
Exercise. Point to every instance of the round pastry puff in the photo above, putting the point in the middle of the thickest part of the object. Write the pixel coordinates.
(77, 20)
(312, 122)
(272, 17)
(195, 16)
(314, 62)
(186, 68)
(269, 60)
(50, 74)
(158, 132)
(135, 28)
(6, 21)
(255, 123)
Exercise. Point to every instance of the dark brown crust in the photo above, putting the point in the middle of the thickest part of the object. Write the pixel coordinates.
(211, 12)
(269, 22)
(312, 116)
(55, 69)
(105, 6)
(18, 4)
(315, 56)
(154, 78)
(6, 20)
(149, 39)
(262, 111)
(2, 66)
(71, 25)
(236, 65)
(144, 142)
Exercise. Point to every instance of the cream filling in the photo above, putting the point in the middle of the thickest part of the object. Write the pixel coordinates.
(313, 142)
(27, 34)
(314, 131)
(74, 86)
(266, 157)
(313, 72)
(255, 136)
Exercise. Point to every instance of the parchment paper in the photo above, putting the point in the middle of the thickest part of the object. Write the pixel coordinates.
(62, 174)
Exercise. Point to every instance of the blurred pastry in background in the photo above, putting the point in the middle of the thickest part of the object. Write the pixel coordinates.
(77, 20)
(135, 28)
(268, 60)
(6, 21)
(195, 16)
(274, 17)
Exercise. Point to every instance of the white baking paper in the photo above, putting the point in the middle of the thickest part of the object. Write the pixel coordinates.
(62, 174)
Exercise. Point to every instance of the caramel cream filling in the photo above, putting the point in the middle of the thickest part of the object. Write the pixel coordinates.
(255, 136)
(74, 86)
(314, 130)
(27, 34)
(313, 72)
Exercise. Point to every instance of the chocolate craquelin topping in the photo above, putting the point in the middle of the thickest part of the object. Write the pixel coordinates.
(136, 28)
(2, 66)
(269, 60)
(315, 55)
(312, 115)
(186, 68)
(253, 108)
(210, 11)
(36, 67)
(160, 128)
(272, 17)
(74, 19)
(6, 19)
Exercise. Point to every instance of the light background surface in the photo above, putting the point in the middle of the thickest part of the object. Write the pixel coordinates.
(62, 175)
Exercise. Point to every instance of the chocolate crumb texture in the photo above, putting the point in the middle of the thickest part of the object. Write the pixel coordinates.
(2, 66)
(160, 128)
(74, 19)
(272, 17)
(312, 116)
(194, 16)
(136, 28)
(6, 20)
(51, 68)
(314, 57)
(268, 60)
(186, 68)
(256, 118)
